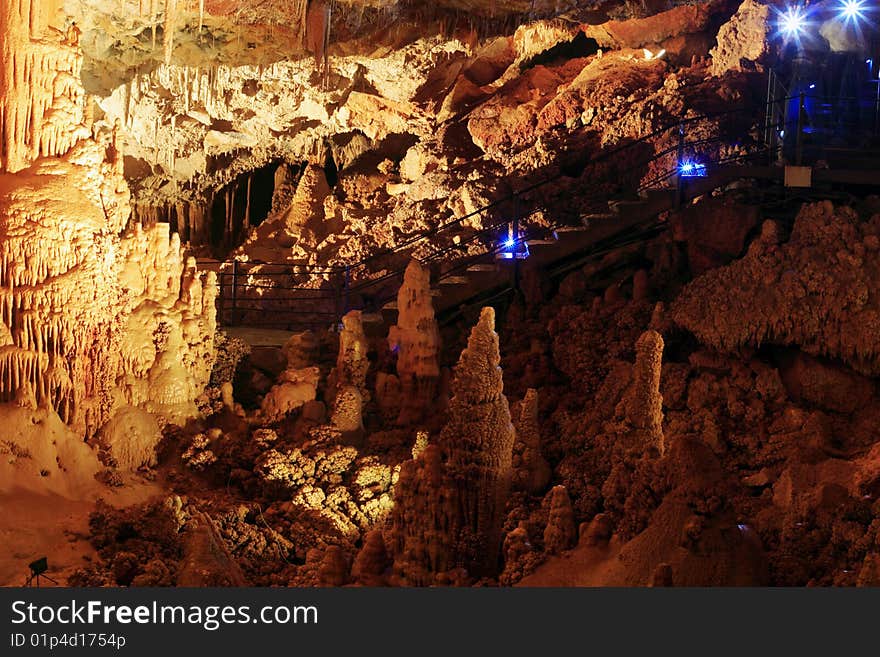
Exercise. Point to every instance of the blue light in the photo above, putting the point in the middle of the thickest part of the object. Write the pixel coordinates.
(792, 23)
(812, 86)
(689, 169)
(852, 10)
(513, 248)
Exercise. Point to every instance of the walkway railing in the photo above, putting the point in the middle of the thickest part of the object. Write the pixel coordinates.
(308, 296)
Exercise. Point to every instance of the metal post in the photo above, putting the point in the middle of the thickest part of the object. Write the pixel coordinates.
(799, 143)
(770, 128)
(877, 110)
(768, 121)
(337, 301)
(516, 244)
(679, 181)
(232, 312)
(347, 284)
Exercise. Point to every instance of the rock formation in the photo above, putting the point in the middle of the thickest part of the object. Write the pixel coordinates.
(421, 546)
(452, 497)
(561, 531)
(372, 561)
(738, 448)
(813, 292)
(644, 404)
(42, 102)
(416, 340)
(333, 570)
(745, 37)
(352, 363)
(347, 414)
(531, 472)
(96, 315)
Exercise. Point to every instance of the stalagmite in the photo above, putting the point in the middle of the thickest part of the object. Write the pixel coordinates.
(333, 570)
(644, 405)
(305, 215)
(416, 340)
(531, 472)
(352, 363)
(561, 531)
(452, 499)
(372, 561)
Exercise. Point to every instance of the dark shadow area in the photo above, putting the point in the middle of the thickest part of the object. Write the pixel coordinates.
(580, 46)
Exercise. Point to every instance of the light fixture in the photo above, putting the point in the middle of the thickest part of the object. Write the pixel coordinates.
(513, 248)
(691, 169)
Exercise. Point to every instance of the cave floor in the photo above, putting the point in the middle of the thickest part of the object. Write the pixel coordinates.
(33, 525)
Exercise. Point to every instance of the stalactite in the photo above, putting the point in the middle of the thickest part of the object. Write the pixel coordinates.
(153, 24)
(42, 107)
(73, 309)
(201, 16)
(168, 29)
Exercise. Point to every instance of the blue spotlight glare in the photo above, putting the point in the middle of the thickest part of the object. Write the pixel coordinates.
(852, 10)
(689, 169)
(513, 248)
(792, 22)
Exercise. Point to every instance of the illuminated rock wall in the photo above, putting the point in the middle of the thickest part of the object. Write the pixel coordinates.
(95, 316)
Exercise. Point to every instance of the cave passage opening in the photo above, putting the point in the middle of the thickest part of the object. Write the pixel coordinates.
(242, 204)
(580, 46)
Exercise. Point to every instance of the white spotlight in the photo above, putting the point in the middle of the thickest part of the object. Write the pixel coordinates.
(792, 22)
(852, 10)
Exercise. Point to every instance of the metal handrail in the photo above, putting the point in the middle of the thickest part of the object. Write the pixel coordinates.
(345, 288)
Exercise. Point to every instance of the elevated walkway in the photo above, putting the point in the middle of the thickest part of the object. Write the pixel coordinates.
(459, 281)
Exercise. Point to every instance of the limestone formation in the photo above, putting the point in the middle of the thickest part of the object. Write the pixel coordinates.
(348, 413)
(130, 437)
(416, 340)
(452, 497)
(306, 211)
(421, 545)
(561, 531)
(352, 363)
(141, 140)
(42, 102)
(531, 472)
(746, 36)
(333, 570)
(813, 291)
(372, 561)
(295, 388)
(644, 404)
(99, 315)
